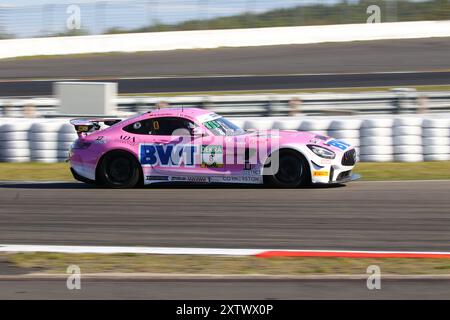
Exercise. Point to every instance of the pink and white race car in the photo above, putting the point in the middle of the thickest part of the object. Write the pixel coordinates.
(193, 145)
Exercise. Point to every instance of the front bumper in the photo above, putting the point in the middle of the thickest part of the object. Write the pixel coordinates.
(334, 171)
(347, 178)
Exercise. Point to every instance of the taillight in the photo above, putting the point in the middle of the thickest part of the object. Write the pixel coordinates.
(79, 144)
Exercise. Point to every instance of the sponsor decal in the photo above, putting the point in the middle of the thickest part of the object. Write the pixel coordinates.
(255, 171)
(237, 179)
(128, 140)
(166, 114)
(325, 161)
(216, 179)
(156, 178)
(100, 140)
(178, 178)
(212, 156)
(338, 144)
(321, 173)
(315, 141)
(191, 179)
(167, 155)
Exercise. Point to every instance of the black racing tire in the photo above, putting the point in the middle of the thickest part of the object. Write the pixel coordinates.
(119, 169)
(293, 170)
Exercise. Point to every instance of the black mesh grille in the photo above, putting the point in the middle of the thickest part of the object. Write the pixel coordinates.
(344, 175)
(349, 158)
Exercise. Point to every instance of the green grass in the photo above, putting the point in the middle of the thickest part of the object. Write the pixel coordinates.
(186, 264)
(369, 171)
(35, 171)
(404, 171)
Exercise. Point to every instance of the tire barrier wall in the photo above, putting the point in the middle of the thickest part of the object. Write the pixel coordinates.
(38, 140)
(377, 139)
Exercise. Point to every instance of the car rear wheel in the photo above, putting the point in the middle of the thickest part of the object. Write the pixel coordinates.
(293, 170)
(119, 170)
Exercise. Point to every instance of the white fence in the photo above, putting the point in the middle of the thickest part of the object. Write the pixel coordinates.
(173, 40)
(377, 139)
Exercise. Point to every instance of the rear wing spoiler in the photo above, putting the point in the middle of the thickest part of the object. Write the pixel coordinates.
(85, 126)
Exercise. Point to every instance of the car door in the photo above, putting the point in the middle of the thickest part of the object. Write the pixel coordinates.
(173, 150)
(227, 149)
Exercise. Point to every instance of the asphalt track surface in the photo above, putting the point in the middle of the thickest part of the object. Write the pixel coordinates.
(355, 57)
(412, 216)
(225, 289)
(290, 67)
(233, 83)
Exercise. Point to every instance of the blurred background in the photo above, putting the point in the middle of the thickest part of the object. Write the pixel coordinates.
(375, 74)
(26, 18)
(336, 60)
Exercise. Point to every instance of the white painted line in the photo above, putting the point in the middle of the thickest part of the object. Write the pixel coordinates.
(214, 277)
(223, 252)
(3, 182)
(142, 250)
(397, 181)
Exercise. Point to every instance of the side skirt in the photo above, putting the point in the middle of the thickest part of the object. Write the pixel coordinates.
(150, 179)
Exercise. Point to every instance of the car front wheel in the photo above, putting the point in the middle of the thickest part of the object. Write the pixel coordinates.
(293, 170)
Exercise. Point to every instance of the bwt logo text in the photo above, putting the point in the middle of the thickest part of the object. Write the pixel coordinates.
(170, 155)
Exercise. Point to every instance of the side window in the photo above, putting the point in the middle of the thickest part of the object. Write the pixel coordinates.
(139, 127)
(163, 126)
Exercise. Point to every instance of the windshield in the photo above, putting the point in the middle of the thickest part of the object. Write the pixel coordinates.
(223, 127)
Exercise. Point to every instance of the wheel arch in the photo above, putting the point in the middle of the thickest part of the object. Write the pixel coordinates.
(119, 150)
(292, 149)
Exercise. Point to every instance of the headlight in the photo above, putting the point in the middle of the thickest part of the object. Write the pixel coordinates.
(322, 152)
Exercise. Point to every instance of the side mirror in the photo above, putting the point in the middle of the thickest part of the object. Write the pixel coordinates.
(199, 132)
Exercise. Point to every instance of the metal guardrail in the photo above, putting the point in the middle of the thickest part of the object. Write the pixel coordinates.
(389, 102)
